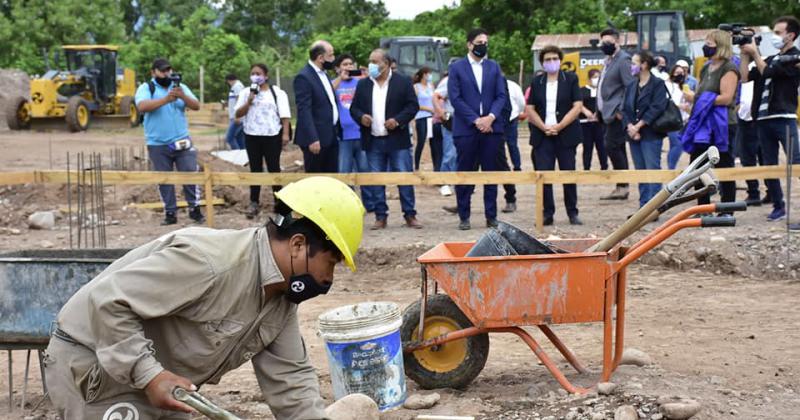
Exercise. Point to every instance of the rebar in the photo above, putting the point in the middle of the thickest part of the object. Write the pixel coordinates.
(69, 202)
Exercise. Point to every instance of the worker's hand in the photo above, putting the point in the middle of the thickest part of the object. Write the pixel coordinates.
(251, 97)
(391, 124)
(159, 391)
(315, 147)
(366, 120)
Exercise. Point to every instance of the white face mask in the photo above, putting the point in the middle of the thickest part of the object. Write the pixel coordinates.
(777, 41)
(594, 81)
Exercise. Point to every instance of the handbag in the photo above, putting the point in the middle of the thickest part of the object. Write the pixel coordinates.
(670, 120)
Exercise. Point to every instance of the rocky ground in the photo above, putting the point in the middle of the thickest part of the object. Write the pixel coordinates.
(714, 309)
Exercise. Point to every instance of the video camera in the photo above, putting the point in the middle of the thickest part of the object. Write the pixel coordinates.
(176, 79)
(740, 34)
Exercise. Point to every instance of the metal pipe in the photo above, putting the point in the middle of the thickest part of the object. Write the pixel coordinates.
(202, 404)
(69, 203)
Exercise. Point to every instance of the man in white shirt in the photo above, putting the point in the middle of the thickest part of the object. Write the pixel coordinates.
(235, 135)
(444, 110)
(384, 104)
(318, 128)
(517, 102)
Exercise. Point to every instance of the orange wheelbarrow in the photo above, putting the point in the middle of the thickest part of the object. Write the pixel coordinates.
(445, 336)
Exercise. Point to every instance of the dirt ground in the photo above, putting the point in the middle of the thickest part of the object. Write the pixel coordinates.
(713, 308)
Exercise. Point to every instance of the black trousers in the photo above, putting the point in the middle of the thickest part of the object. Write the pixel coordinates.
(593, 139)
(502, 165)
(615, 146)
(749, 152)
(437, 148)
(260, 149)
(326, 161)
(727, 188)
(544, 158)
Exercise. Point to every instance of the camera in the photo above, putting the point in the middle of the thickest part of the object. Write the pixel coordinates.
(175, 78)
(740, 35)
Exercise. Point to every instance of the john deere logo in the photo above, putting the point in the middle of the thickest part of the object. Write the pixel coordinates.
(568, 66)
(37, 97)
(298, 286)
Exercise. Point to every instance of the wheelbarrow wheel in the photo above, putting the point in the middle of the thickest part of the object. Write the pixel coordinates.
(451, 365)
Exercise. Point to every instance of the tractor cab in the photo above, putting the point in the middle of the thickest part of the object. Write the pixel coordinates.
(663, 32)
(97, 65)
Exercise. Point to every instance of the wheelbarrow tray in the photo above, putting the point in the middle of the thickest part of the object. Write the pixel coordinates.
(520, 290)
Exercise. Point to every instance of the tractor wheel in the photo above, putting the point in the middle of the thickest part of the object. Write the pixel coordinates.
(18, 114)
(451, 365)
(128, 107)
(78, 114)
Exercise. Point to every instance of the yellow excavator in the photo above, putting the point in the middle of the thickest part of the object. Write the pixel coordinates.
(91, 88)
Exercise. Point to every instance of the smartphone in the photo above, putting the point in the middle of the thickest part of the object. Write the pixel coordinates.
(354, 73)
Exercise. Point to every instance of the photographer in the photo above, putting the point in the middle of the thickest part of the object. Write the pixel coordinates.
(775, 100)
(163, 101)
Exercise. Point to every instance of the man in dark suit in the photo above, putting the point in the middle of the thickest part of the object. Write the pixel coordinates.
(317, 111)
(478, 93)
(383, 105)
(616, 75)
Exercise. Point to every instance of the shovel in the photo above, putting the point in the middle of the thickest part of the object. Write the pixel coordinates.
(202, 404)
(687, 178)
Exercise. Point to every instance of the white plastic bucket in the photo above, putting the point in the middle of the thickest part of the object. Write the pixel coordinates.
(365, 353)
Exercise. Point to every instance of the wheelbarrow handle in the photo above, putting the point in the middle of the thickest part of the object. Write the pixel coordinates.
(732, 207)
(202, 404)
(717, 221)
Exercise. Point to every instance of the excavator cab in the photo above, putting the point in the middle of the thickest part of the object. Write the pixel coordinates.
(663, 32)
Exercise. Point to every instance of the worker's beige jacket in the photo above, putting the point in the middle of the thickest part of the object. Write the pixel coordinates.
(193, 302)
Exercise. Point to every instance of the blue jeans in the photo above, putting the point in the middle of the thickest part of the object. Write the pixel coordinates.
(382, 158)
(511, 143)
(675, 149)
(165, 159)
(646, 154)
(235, 135)
(771, 133)
(352, 158)
(449, 155)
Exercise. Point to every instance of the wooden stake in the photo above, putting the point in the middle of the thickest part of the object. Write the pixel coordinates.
(539, 209)
(209, 186)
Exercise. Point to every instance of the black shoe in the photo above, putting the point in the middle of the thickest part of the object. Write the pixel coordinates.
(196, 215)
(548, 221)
(753, 201)
(574, 220)
(464, 225)
(491, 223)
(253, 210)
(169, 219)
(510, 208)
(450, 209)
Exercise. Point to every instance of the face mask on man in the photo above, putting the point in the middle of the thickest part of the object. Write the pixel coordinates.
(303, 287)
(328, 65)
(480, 50)
(163, 81)
(709, 52)
(374, 70)
(257, 79)
(777, 41)
(552, 66)
(594, 81)
(608, 48)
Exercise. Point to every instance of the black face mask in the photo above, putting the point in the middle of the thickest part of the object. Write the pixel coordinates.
(679, 78)
(303, 287)
(163, 81)
(327, 65)
(480, 50)
(662, 68)
(608, 48)
(709, 52)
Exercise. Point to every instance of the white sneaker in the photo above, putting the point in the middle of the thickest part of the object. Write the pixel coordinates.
(445, 190)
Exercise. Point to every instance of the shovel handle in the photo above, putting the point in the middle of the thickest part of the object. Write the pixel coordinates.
(202, 404)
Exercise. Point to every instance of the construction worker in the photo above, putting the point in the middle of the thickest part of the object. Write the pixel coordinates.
(183, 310)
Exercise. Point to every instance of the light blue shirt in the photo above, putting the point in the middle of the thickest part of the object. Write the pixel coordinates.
(166, 124)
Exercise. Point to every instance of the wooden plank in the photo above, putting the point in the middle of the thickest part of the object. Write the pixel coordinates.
(539, 210)
(159, 205)
(395, 178)
(209, 185)
(14, 178)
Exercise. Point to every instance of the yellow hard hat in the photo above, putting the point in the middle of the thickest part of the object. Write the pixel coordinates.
(331, 205)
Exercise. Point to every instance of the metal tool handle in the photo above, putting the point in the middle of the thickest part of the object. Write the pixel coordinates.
(202, 404)
(696, 168)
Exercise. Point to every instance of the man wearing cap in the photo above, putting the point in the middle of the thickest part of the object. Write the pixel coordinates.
(163, 101)
(690, 80)
(185, 309)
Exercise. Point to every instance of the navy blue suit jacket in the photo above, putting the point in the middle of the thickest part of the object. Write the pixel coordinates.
(314, 110)
(645, 105)
(401, 104)
(462, 89)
